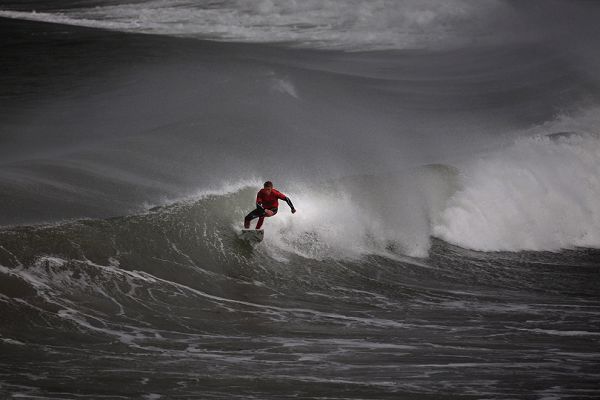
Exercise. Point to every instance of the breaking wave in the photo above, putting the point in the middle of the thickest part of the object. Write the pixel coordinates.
(540, 193)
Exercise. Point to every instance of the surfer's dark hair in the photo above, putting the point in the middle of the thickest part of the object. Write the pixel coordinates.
(268, 184)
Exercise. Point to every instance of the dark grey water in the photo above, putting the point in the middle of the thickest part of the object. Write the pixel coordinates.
(170, 304)
(142, 153)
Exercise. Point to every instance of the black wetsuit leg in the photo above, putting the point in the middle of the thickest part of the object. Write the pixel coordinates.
(256, 213)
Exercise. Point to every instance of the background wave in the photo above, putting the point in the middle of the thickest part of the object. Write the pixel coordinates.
(347, 24)
(333, 24)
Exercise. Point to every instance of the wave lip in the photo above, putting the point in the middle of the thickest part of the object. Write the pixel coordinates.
(539, 194)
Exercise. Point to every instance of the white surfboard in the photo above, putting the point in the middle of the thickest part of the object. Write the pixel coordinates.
(252, 235)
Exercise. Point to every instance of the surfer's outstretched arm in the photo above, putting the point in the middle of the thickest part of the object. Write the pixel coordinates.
(289, 202)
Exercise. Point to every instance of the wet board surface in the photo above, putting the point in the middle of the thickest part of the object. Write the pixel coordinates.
(252, 235)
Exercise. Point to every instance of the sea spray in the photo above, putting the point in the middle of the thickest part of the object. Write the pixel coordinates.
(541, 193)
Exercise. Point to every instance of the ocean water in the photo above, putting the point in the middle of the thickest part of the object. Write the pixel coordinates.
(444, 158)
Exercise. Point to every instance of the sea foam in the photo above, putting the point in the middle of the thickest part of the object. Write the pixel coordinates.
(540, 193)
(336, 24)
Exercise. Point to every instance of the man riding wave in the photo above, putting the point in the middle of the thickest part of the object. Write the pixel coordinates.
(267, 203)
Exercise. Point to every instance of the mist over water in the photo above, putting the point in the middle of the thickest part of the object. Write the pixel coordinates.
(539, 194)
(443, 157)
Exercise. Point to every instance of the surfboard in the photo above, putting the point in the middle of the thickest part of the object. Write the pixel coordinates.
(252, 235)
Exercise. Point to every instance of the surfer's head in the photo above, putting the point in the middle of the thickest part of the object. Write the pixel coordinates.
(268, 186)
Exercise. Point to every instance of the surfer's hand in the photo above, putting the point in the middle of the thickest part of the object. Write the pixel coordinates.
(293, 211)
(269, 213)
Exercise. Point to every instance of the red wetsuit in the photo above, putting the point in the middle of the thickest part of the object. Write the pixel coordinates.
(264, 202)
(270, 200)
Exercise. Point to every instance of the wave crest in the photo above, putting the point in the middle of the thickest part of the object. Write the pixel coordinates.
(539, 194)
(334, 24)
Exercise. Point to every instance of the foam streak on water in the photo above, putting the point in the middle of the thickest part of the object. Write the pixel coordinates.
(345, 24)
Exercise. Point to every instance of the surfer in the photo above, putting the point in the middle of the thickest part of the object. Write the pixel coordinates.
(267, 202)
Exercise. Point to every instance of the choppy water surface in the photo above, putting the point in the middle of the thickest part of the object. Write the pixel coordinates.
(172, 304)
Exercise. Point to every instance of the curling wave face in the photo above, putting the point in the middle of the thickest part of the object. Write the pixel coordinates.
(538, 193)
